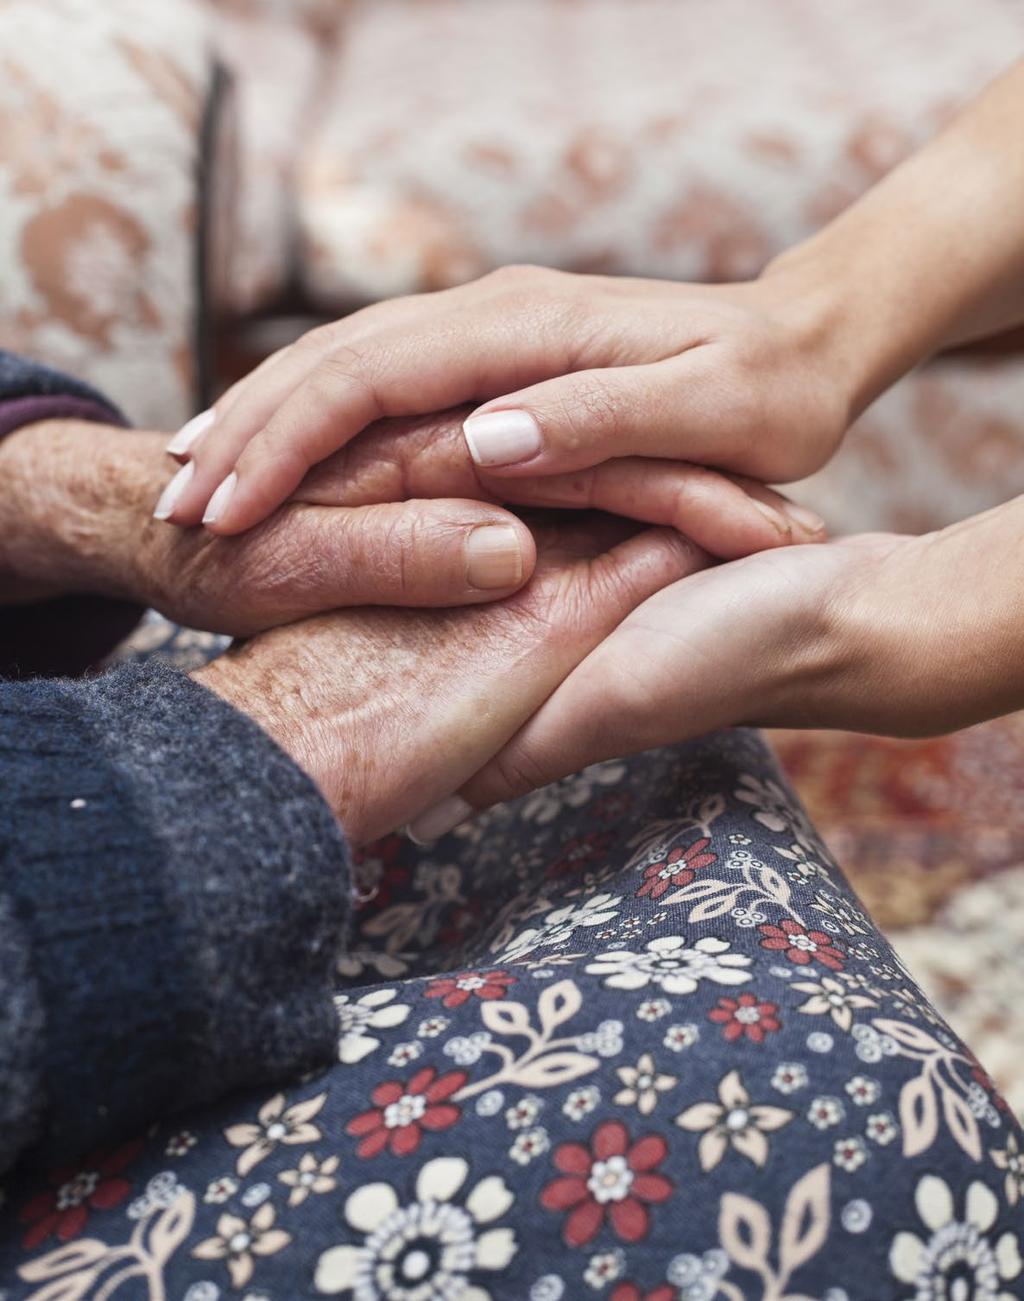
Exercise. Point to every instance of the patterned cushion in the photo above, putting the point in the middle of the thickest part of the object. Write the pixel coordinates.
(648, 137)
(100, 108)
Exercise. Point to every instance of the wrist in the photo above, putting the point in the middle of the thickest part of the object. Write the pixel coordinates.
(75, 508)
(853, 343)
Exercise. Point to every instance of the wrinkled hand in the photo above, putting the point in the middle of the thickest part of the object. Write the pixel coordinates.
(400, 516)
(389, 710)
(905, 636)
(749, 378)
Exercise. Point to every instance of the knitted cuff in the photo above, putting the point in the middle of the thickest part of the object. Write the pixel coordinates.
(187, 894)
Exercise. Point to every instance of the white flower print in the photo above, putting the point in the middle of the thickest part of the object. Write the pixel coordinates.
(651, 1009)
(604, 1268)
(1011, 1159)
(373, 1011)
(818, 1041)
(672, 964)
(956, 1257)
(881, 1128)
(161, 1191)
(528, 1144)
(524, 1112)
(432, 1027)
(465, 1050)
(823, 1113)
(548, 1288)
(732, 1122)
(678, 1037)
(642, 1085)
(789, 1076)
(256, 1195)
(425, 1249)
(872, 1046)
(204, 1291)
(775, 808)
(544, 806)
(698, 1277)
(490, 1103)
(219, 1190)
(849, 1153)
(581, 1102)
(829, 997)
(404, 1053)
(863, 1090)
(560, 925)
(606, 1040)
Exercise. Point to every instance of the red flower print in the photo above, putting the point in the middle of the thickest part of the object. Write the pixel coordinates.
(745, 1016)
(630, 1292)
(675, 870)
(453, 991)
(401, 1113)
(93, 1185)
(612, 1179)
(579, 851)
(801, 945)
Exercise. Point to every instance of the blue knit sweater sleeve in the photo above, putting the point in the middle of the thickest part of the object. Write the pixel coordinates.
(174, 894)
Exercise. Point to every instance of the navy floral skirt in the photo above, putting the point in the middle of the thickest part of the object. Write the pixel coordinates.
(632, 1037)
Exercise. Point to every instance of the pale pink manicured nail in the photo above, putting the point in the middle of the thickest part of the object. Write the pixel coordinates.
(494, 557)
(502, 437)
(439, 820)
(169, 497)
(189, 432)
(220, 498)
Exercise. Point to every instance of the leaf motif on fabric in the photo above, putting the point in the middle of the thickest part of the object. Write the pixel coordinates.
(506, 1018)
(919, 1115)
(805, 1220)
(555, 1068)
(557, 1004)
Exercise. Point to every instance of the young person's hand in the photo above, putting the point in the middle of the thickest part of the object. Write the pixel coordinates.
(760, 379)
(742, 377)
(906, 636)
(389, 710)
(400, 516)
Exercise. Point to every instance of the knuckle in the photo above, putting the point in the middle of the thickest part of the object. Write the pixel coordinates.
(591, 411)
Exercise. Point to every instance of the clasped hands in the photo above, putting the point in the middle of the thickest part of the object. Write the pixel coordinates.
(665, 599)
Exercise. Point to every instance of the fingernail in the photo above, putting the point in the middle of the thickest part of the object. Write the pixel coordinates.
(774, 517)
(494, 557)
(189, 432)
(439, 820)
(169, 497)
(220, 498)
(502, 437)
(805, 519)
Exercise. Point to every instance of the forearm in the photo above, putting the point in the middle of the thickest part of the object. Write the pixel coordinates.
(931, 257)
(75, 505)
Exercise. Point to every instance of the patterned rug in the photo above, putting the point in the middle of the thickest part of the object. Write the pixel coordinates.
(931, 835)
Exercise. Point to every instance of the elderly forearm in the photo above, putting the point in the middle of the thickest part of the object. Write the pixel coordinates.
(933, 256)
(75, 501)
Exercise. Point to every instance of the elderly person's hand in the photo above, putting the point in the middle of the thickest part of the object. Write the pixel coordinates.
(389, 710)
(400, 516)
(905, 636)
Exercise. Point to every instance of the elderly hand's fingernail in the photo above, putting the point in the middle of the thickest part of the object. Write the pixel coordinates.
(169, 497)
(494, 557)
(220, 499)
(775, 518)
(502, 437)
(805, 519)
(188, 433)
(439, 820)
